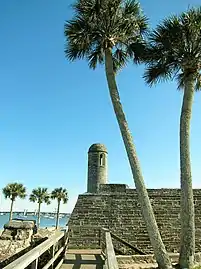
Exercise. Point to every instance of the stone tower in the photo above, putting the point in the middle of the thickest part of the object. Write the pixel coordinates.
(97, 167)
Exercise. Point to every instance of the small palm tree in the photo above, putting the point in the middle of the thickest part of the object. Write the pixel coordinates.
(107, 32)
(13, 191)
(61, 195)
(40, 195)
(174, 52)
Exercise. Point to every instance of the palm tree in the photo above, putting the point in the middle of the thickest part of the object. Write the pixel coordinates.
(61, 195)
(174, 52)
(107, 32)
(13, 191)
(39, 195)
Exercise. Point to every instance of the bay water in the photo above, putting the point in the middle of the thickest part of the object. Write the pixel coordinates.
(46, 221)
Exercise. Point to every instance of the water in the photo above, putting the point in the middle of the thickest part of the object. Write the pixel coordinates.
(44, 221)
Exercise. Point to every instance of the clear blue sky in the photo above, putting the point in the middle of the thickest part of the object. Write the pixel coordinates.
(51, 111)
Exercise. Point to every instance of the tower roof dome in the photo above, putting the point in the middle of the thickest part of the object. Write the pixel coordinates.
(97, 148)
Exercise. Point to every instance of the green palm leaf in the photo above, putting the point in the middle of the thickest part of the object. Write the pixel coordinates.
(174, 49)
(40, 195)
(110, 32)
(174, 52)
(60, 194)
(97, 25)
(14, 190)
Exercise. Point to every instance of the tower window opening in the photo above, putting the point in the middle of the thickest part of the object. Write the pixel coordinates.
(101, 160)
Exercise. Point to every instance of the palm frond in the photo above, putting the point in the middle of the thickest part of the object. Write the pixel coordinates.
(14, 190)
(73, 52)
(131, 7)
(60, 194)
(137, 51)
(32, 198)
(157, 73)
(175, 47)
(46, 199)
(22, 195)
(7, 192)
(99, 24)
(198, 83)
(96, 56)
(78, 43)
(120, 59)
(132, 11)
(90, 8)
(181, 80)
(40, 195)
(65, 200)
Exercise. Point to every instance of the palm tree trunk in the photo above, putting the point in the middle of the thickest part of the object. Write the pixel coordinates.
(38, 219)
(147, 211)
(57, 220)
(11, 210)
(187, 250)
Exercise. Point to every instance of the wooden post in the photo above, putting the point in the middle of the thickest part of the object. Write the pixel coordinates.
(65, 240)
(52, 254)
(34, 264)
(110, 253)
(100, 241)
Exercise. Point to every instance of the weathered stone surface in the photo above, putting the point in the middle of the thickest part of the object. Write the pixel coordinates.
(97, 167)
(18, 230)
(10, 247)
(116, 207)
(16, 236)
(20, 224)
(108, 188)
(148, 261)
(7, 235)
(13, 249)
(97, 148)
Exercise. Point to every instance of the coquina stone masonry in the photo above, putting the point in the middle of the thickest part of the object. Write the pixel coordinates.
(97, 167)
(116, 207)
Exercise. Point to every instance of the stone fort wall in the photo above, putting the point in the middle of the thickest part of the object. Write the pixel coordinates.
(116, 207)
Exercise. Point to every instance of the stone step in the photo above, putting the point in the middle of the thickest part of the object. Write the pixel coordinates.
(138, 266)
(84, 251)
(83, 259)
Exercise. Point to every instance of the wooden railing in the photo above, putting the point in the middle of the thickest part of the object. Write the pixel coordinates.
(104, 238)
(108, 250)
(98, 233)
(56, 245)
(127, 244)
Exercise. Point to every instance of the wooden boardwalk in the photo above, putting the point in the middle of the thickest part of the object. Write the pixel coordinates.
(63, 258)
(83, 259)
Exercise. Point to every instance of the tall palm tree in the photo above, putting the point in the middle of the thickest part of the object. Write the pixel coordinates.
(61, 195)
(13, 191)
(106, 32)
(40, 195)
(174, 52)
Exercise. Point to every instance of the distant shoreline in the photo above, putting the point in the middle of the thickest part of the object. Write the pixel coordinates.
(31, 212)
(47, 219)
